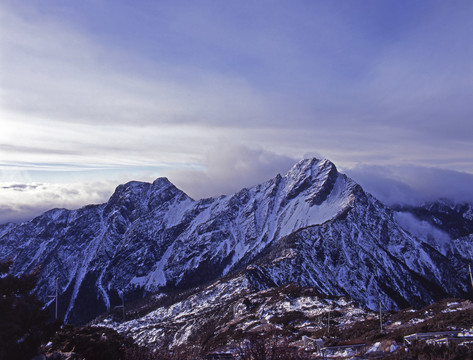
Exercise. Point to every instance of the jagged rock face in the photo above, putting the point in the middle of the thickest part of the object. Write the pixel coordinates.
(328, 233)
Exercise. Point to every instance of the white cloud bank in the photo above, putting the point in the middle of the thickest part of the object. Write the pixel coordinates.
(226, 169)
(22, 202)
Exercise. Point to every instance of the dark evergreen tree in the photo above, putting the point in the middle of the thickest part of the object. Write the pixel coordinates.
(23, 322)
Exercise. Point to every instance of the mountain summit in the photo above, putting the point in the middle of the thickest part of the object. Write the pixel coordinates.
(313, 226)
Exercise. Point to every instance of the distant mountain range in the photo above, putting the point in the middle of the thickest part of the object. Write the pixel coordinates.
(313, 226)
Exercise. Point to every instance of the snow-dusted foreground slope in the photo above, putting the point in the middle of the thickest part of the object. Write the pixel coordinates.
(313, 226)
(228, 314)
(227, 311)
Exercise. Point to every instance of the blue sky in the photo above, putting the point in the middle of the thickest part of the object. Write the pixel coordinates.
(218, 95)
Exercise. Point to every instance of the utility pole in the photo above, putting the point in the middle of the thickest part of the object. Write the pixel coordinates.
(122, 305)
(471, 277)
(328, 323)
(380, 307)
(55, 297)
(380, 316)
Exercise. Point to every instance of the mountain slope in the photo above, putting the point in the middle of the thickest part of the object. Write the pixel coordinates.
(367, 256)
(313, 226)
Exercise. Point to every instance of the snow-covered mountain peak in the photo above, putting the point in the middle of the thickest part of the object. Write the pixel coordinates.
(311, 179)
(306, 168)
(142, 193)
(320, 228)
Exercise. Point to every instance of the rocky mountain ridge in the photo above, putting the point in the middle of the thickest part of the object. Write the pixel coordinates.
(313, 226)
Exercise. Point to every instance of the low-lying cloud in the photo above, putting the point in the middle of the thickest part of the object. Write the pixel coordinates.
(413, 185)
(22, 202)
(226, 169)
(423, 230)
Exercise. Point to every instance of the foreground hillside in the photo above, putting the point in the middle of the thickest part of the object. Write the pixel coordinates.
(292, 321)
(313, 226)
